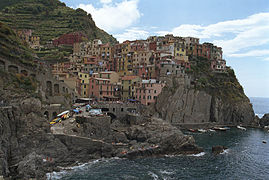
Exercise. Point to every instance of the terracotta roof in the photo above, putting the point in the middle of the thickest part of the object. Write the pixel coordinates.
(129, 77)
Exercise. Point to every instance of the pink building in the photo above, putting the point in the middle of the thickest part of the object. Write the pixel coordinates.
(148, 90)
(105, 87)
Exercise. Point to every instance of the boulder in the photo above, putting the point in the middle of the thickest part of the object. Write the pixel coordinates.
(30, 105)
(218, 149)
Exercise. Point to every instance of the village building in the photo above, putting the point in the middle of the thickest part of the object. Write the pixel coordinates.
(128, 87)
(148, 90)
(69, 39)
(104, 85)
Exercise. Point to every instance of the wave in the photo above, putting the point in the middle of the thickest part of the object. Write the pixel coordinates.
(154, 176)
(166, 172)
(226, 151)
(64, 170)
(197, 155)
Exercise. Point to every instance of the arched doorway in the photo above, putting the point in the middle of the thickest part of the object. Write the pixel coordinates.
(113, 116)
(46, 115)
(56, 89)
(13, 69)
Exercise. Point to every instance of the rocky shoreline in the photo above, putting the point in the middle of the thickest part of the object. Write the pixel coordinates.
(30, 150)
(30, 147)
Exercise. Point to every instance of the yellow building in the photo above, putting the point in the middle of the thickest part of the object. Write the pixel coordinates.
(125, 63)
(128, 86)
(84, 84)
(180, 52)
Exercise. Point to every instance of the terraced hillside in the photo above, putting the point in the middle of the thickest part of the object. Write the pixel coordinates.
(12, 48)
(49, 19)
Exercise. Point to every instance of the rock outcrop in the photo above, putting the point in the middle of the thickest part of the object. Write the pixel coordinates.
(264, 121)
(218, 149)
(179, 105)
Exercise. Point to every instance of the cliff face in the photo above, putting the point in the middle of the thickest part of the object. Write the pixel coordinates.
(212, 98)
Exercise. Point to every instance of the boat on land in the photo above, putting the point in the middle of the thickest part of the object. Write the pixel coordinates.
(192, 130)
(201, 130)
(220, 128)
(211, 130)
(240, 127)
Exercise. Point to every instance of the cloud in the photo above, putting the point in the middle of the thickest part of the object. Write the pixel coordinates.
(253, 53)
(132, 34)
(266, 59)
(106, 1)
(112, 17)
(233, 36)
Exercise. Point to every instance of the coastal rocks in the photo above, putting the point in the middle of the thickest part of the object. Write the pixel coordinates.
(28, 167)
(158, 133)
(218, 149)
(264, 121)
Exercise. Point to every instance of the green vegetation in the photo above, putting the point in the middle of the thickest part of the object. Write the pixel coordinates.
(49, 19)
(222, 84)
(18, 83)
(12, 48)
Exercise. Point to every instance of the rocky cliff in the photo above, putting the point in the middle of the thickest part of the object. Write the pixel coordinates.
(211, 98)
(29, 148)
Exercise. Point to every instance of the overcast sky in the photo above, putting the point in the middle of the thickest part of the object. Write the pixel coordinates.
(240, 27)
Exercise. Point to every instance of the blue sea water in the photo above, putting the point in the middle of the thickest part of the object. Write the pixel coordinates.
(260, 105)
(247, 157)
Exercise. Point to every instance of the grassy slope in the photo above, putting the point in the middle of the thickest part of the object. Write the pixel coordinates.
(223, 85)
(49, 19)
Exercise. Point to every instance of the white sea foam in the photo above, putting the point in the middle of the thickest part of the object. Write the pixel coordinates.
(58, 175)
(198, 155)
(155, 176)
(166, 172)
(226, 151)
(170, 156)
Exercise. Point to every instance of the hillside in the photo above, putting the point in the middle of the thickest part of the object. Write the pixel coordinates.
(49, 19)
(12, 48)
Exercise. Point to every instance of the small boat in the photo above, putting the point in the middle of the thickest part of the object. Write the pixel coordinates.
(201, 130)
(240, 127)
(264, 142)
(192, 130)
(220, 129)
(211, 130)
(62, 113)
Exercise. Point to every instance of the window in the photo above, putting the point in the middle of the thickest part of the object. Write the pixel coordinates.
(155, 91)
(144, 97)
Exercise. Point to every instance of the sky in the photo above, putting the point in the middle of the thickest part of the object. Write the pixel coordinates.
(240, 27)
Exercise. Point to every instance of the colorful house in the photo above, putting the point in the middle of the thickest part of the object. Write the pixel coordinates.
(148, 90)
(128, 86)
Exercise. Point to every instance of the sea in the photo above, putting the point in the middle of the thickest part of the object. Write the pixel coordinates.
(247, 157)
